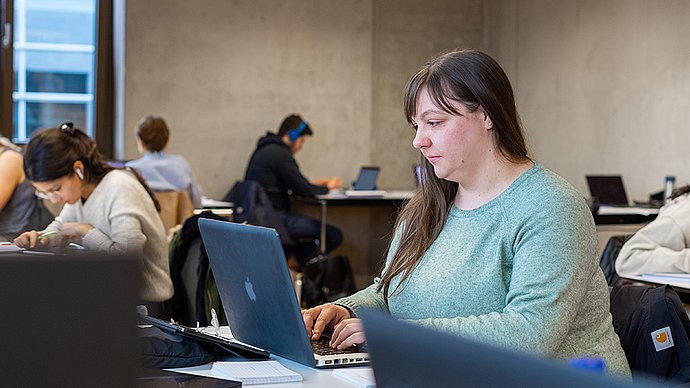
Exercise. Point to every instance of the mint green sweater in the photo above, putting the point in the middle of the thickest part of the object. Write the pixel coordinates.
(519, 272)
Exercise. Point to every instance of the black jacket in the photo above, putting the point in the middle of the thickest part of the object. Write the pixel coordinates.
(640, 311)
(274, 167)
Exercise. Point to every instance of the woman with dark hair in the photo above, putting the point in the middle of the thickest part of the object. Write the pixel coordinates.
(106, 209)
(162, 171)
(493, 245)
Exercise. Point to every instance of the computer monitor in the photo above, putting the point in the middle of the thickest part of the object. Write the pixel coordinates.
(68, 320)
(407, 355)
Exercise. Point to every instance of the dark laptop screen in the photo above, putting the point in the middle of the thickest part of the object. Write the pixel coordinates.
(366, 179)
(607, 189)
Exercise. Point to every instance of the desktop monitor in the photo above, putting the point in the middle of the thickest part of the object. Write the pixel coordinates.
(68, 320)
(408, 355)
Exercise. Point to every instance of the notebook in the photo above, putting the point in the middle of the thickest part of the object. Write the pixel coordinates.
(259, 301)
(255, 372)
(219, 343)
(407, 355)
(608, 189)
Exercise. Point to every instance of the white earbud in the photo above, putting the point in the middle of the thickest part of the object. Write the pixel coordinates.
(79, 173)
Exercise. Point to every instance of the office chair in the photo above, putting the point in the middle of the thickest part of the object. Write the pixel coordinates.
(654, 331)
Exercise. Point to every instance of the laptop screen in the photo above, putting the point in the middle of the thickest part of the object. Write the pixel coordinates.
(366, 179)
(608, 189)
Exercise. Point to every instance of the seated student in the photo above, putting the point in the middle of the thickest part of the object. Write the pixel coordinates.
(493, 246)
(161, 171)
(20, 210)
(273, 165)
(106, 209)
(662, 245)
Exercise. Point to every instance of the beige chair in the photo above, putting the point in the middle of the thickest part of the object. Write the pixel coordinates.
(176, 207)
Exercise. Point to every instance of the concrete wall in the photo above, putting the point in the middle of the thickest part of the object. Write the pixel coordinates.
(224, 72)
(602, 86)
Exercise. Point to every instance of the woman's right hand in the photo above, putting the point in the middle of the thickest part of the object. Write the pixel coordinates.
(28, 239)
(316, 319)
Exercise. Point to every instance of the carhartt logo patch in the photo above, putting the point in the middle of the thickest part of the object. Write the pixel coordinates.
(662, 338)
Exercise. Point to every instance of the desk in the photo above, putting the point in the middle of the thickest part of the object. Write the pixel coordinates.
(681, 287)
(366, 222)
(395, 197)
(609, 215)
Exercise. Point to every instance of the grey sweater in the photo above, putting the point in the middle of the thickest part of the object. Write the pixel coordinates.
(125, 220)
(519, 272)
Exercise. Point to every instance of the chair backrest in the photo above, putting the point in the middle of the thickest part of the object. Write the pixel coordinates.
(607, 261)
(176, 207)
(654, 331)
(253, 206)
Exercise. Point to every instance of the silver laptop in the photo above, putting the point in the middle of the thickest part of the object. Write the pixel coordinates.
(258, 298)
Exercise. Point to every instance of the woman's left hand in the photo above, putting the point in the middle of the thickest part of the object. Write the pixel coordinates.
(347, 333)
(75, 231)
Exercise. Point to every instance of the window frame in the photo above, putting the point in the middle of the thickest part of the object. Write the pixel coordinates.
(102, 100)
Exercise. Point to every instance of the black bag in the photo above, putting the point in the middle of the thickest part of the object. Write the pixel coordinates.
(327, 279)
(159, 349)
(607, 261)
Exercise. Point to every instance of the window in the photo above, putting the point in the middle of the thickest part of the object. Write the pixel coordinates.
(54, 65)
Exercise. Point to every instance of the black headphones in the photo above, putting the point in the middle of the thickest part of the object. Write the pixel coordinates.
(294, 134)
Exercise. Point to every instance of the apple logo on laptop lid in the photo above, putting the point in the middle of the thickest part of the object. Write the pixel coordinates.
(250, 289)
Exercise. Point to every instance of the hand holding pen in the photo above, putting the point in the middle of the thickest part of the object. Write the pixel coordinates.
(33, 238)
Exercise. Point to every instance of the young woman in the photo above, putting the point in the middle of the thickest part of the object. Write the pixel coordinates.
(663, 244)
(493, 246)
(160, 170)
(19, 208)
(106, 209)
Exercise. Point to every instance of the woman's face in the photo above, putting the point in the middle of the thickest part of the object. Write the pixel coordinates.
(65, 189)
(455, 145)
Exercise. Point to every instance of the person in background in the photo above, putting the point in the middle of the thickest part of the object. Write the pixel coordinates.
(662, 245)
(163, 172)
(106, 209)
(493, 245)
(273, 165)
(20, 210)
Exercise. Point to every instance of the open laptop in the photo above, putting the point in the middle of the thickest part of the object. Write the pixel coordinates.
(608, 189)
(366, 180)
(365, 185)
(407, 355)
(258, 298)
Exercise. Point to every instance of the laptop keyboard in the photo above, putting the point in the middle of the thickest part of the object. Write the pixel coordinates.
(322, 348)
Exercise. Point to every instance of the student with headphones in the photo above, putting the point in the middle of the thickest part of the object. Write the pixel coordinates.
(106, 209)
(273, 165)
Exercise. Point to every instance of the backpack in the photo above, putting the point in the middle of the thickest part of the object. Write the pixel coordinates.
(327, 279)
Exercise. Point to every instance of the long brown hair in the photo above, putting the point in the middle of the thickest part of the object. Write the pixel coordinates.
(473, 79)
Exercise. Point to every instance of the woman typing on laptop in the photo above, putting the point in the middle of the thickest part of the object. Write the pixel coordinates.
(493, 246)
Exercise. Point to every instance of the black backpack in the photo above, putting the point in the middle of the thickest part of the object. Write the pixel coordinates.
(326, 279)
